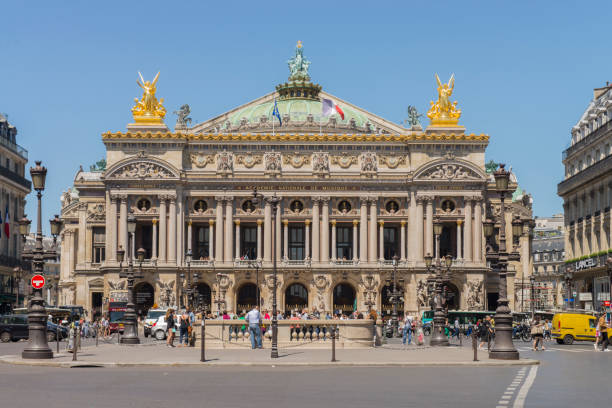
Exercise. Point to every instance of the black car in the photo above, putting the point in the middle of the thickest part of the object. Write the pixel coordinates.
(15, 327)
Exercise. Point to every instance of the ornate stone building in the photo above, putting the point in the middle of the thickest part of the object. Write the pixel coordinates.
(355, 190)
(587, 192)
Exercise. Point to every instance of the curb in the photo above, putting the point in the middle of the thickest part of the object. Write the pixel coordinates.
(70, 364)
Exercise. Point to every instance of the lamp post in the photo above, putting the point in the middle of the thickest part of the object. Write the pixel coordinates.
(438, 338)
(532, 281)
(503, 348)
(130, 332)
(257, 265)
(37, 348)
(394, 294)
(273, 201)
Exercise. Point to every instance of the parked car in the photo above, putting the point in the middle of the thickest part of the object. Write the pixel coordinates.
(14, 327)
(160, 328)
(152, 316)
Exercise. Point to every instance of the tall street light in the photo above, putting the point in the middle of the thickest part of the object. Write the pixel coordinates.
(438, 338)
(37, 348)
(532, 280)
(257, 265)
(130, 332)
(273, 201)
(503, 348)
(394, 294)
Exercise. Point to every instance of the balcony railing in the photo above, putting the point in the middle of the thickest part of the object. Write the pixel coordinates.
(201, 262)
(296, 262)
(345, 262)
(11, 175)
(14, 147)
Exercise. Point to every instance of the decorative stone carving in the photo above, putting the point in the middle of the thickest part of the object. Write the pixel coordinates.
(272, 162)
(321, 282)
(296, 160)
(224, 281)
(201, 160)
(166, 290)
(369, 163)
(344, 160)
(450, 172)
(474, 298)
(141, 170)
(97, 213)
(249, 159)
(225, 162)
(392, 161)
(421, 293)
(369, 284)
(320, 163)
(117, 284)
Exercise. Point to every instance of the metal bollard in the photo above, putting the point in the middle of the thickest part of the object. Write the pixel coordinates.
(333, 336)
(475, 345)
(74, 344)
(460, 339)
(203, 340)
(97, 334)
(57, 336)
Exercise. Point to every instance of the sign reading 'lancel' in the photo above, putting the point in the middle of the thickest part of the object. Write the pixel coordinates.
(585, 264)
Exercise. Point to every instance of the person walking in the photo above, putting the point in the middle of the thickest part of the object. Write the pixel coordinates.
(407, 332)
(456, 331)
(537, 332)
(253, 318)
(603, 331)
(184, 323)
(170, 327)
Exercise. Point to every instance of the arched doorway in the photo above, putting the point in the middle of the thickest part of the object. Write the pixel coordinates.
(246, 297)
(387, 305)
(204, 290)
(144, 297)
(296, 297)
(452, 296)
(344, 298)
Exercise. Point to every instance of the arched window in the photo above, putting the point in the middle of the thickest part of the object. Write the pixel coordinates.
(296, 297)
(344, 298)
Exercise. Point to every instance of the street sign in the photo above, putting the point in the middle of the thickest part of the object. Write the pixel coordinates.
(606, 303)
(38, 281)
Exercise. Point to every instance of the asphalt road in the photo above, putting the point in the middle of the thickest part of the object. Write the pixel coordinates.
(568, 376)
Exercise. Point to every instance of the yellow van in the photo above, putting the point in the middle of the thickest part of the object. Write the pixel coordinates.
(567, 327)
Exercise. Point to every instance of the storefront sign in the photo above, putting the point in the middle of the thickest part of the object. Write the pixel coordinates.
(585, 264)
(585, 296)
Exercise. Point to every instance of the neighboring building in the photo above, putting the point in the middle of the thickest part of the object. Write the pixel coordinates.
(556, 222)
(586, 192)
(13, 189)
(355, 190)
(51, 269)
(547, 248)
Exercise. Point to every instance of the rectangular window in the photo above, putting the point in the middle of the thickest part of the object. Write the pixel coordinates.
(202, 237)
(296, 243)
(99, 238)
(344, 243)
(391, 240)
(248, 245)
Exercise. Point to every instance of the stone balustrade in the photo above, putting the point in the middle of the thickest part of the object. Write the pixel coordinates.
(291, 333)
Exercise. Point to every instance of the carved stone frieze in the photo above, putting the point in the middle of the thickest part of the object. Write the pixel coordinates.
(392, 161)
(422, 295)
(272, 163)
(475, 296)
(320, 163)
(450, 172)
(201, 160)
(249, 159)
(141, 170)
(225, 162)
(97, 213)
(344, 160)
(369, 163)
(295, 160)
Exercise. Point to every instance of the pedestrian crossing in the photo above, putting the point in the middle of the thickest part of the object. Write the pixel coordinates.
(557, 349)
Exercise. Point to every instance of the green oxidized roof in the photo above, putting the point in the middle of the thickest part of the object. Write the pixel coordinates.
(297, 109)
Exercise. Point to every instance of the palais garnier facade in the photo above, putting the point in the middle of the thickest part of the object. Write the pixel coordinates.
(355, 191)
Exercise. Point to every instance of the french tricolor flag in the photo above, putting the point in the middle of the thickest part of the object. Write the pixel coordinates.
(330, 107)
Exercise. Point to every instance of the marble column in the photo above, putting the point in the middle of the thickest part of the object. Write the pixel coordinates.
(316, 225)
(229, 230)
(267, 257)
(429, 238)
(285, 239)
(325, 229)
(420, 236)
(172, 228)
(211, 239)
(403, 240)
(478, 231)
(259, 238)
(467, 230)
(355, 239)
(459, 244)
(381, 240)
(278, 241)
(123, 231)
(307, 239)
(334, 251)
(113, 229)
(154, 239)
(238, 254)
(163, 231)
(363, 231)
(189, 236)
(219, 231)
(372, 247)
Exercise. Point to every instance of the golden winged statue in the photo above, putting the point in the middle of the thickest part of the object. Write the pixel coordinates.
(148, 110)
(443, 112)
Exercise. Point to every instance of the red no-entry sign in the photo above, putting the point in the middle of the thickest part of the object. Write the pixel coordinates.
(38, 281)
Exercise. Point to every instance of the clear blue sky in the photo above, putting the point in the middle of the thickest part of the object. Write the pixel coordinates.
(524, 70)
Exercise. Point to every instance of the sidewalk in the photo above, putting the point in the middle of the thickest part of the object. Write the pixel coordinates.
(113, 355)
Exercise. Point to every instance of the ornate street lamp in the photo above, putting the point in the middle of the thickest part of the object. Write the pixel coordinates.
(273, 202)
(56, 226)
(37, 348)
(503, 347)
(24, 227)
(394, 294)
(257, 265)
(438, 338)
(130, 331)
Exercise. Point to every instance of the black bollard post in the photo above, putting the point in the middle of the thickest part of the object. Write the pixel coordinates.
(333, 336)
(97, 331)
(57, 336)
(74, 344)
(475, 345)
(203, 340)
(460, 339)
